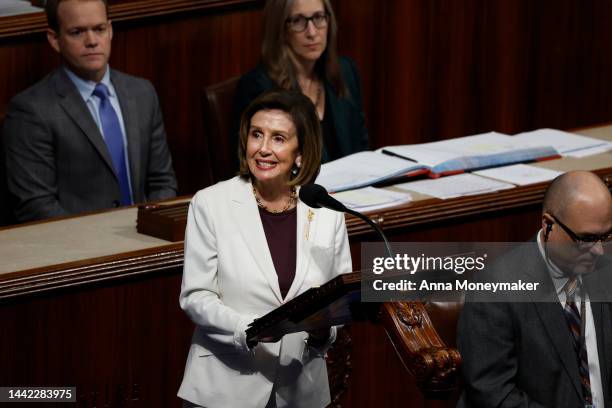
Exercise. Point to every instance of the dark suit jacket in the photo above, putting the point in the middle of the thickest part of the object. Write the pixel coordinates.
(521, 354)
(57, 162)
(347, 113)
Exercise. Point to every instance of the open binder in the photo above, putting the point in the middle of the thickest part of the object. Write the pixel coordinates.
(435, 159)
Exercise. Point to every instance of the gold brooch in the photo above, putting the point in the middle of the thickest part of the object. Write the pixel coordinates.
(310, 216)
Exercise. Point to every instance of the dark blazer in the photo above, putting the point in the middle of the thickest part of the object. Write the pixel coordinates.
(347, 113)
(521, 354)
(57, 162)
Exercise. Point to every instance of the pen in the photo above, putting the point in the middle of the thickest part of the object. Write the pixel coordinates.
(390, 153)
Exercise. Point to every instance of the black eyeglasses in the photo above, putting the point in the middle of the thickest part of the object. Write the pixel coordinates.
(584, 241)
(298, 23)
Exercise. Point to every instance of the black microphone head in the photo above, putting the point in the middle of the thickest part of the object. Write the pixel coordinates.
(311, 194)
(316, 196)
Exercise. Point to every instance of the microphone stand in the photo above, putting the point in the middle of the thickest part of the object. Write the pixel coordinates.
(375, 226)
(369, 311)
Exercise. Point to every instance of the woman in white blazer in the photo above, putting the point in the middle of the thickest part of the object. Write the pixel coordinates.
(250, 246)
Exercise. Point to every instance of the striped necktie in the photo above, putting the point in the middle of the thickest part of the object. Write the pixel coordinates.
(113, 136)
(574, 321)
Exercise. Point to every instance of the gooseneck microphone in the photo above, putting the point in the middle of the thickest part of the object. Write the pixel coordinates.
(316, 196)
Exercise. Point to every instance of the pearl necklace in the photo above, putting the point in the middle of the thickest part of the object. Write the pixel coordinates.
(290, 201)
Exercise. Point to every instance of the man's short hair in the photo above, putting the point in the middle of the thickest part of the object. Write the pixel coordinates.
(51, 10)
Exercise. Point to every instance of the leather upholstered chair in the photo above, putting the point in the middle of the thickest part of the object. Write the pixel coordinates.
(217, 104)
(445, 316)
(6, 212)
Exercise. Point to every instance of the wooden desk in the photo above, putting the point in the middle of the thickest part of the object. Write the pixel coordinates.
(87, 301)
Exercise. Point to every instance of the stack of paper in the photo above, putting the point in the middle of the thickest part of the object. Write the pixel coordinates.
(372, 199)
(455, 186)
(520, 174)
(567, 144)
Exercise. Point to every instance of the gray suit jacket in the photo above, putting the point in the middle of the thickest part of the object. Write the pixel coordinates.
(521, 354)
(57, 162)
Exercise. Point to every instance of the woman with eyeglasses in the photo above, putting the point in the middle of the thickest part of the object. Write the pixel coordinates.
(299, 53)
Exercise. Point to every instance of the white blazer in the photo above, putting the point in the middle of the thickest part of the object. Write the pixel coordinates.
(229, 279)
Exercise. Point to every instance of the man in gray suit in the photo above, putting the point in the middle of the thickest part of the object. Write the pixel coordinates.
(86, 137)
(549, 349)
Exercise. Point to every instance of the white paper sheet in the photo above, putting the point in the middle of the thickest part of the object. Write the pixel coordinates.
(435, 153)
(590, 151)
(567, 144)
(371, 199)
(520, 174)
(455, 186)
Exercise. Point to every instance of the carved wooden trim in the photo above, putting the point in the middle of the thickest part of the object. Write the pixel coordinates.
(339, 367)
(434, 365)
(91, 271)
(36, 22)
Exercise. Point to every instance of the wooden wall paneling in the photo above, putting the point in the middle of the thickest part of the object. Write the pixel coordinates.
(455, 68)
(122, 344)
(360, 37)
(119, 10)
(23, 61)
(444, 91)
(508, 41)
(574, 63)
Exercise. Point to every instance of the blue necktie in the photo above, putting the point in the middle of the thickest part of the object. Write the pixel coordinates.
(114, 140)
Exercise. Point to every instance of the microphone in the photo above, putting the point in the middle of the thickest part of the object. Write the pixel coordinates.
(316, 196)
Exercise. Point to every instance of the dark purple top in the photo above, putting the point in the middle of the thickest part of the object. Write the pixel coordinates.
(281, 234)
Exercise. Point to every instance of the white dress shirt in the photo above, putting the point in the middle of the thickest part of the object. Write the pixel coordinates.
(86, 89)
(559, 280)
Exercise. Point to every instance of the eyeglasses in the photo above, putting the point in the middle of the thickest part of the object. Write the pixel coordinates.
(298, 23)
(584, 241)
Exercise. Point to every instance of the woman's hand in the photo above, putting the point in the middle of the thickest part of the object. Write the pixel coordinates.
(317, 338)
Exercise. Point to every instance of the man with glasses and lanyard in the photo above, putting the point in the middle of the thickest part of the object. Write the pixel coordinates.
(554, 348)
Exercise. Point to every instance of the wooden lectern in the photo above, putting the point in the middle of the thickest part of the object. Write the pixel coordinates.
(407, 324)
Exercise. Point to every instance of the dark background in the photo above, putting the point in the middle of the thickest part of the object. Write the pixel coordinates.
(431, 69)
